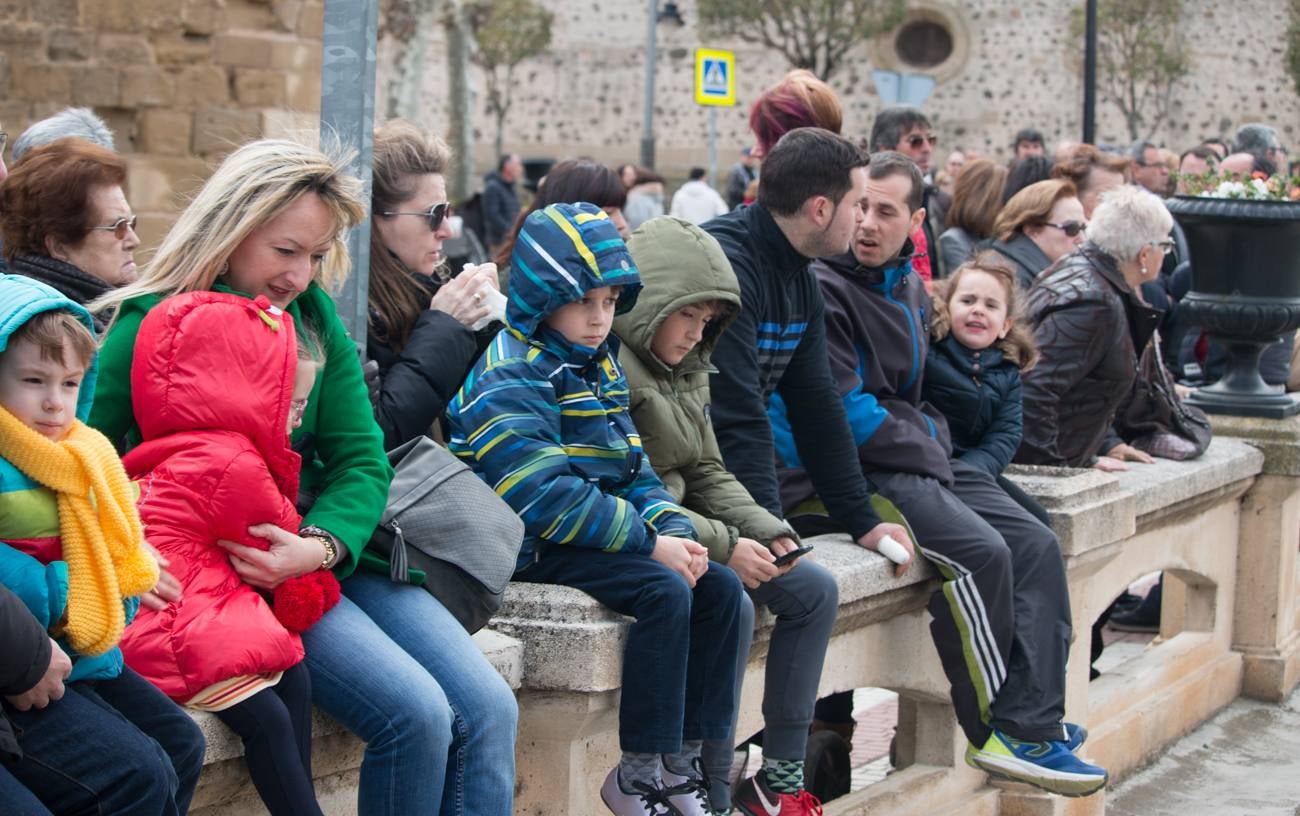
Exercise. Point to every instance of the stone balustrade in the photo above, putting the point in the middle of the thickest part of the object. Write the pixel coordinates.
(1224, 529)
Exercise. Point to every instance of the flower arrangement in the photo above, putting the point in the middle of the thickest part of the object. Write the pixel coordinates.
(1258, 187)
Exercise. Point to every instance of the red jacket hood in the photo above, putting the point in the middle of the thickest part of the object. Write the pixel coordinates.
(211, 361)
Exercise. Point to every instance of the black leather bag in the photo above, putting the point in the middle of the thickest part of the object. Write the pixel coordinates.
(1154, 413)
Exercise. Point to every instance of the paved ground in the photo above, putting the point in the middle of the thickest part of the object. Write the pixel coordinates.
(1244, 761)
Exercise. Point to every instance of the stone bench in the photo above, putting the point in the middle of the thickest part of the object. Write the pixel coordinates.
(1215, 525)
(225, 789)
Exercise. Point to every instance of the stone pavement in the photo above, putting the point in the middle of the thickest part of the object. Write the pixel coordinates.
(1245, 760)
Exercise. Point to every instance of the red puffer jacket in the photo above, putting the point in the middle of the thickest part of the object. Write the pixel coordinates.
(211, 386)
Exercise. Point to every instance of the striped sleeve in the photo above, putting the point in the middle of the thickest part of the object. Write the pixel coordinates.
(506, 426)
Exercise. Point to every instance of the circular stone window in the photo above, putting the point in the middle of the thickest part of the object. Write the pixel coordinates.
(923, 43)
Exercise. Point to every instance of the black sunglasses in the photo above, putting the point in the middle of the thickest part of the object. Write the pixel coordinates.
(1070, 228)
(435, 214)
(119, 227)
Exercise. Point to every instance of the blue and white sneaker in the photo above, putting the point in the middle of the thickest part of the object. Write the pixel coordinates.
(1075, 736)
(1046, 765)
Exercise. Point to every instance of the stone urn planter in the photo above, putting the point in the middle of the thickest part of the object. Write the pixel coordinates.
(1245, 291)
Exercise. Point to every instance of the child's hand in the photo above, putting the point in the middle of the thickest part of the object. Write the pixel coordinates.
(677, 553)
(168, 589)
(752, 563)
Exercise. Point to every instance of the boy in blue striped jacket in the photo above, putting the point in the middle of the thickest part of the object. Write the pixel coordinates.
(543, 419)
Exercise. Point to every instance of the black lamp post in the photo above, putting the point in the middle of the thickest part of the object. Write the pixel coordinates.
(654, 15)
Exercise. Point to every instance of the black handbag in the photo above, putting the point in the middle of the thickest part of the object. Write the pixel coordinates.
(443, 521)
(1155, 413)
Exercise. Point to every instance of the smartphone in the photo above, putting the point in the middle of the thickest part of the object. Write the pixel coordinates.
(782, 560)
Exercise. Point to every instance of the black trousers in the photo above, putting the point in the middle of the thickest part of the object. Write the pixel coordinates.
(1002, 615)
(275, 725)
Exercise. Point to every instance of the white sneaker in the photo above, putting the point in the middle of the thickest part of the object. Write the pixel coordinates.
(643, 800)
(688, 794)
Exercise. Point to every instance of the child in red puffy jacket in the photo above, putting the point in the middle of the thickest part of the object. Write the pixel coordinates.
(218, 383)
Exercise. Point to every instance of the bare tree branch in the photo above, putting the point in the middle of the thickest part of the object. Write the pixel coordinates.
(508, 32)
(812, 34)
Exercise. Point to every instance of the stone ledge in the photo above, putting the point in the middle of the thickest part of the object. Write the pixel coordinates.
(503, 652)
(572, 643)
(1278, 439)
(1167, 485)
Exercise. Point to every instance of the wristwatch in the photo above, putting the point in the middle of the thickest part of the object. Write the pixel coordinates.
(325, 538)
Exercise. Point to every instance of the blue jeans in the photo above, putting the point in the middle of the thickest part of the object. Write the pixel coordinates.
(679, 664)
(109, 747)
(395, 668)
(18, 800)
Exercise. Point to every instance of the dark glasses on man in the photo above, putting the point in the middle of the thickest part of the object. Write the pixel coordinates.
(435, 214)
(1070, 228)
(119, 227)
(916, 140)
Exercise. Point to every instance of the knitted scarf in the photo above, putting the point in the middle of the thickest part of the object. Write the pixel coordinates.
(98, 525)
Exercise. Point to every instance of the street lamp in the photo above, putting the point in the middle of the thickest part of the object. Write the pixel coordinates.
(669, 14)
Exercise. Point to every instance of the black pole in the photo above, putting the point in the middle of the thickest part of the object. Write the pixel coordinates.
(1090, 75)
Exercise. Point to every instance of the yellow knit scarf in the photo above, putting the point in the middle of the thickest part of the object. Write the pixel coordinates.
(98, 524)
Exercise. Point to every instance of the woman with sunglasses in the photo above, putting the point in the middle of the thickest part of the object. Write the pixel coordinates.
(421, 327)
(1038, 226)
(398, 672)
(66, 222)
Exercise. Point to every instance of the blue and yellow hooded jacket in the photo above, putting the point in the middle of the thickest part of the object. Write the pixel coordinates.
(544, 421)
(29, 514)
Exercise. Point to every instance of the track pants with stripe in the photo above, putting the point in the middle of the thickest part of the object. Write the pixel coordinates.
(1002, 615)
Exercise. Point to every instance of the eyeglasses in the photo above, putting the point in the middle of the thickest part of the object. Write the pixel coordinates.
(119, 227)
(296, 409)
(435, 214)
(916, 140)
(1166, 246)
(4, 137)
(1070, 228)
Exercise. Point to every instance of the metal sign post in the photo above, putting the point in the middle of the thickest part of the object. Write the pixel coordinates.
(347, 118)
(715, 86)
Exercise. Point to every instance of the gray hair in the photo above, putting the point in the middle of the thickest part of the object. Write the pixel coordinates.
(1255, 138)
(1138, 152)
(1127, 219)
(79, 122)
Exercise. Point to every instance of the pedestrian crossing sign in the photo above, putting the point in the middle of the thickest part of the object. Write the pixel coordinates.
(715, 77)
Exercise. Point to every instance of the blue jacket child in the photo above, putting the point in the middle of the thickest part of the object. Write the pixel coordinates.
(543, 418)
(978, 389)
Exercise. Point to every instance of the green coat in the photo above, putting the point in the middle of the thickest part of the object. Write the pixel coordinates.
(680, 264)
(345, 468)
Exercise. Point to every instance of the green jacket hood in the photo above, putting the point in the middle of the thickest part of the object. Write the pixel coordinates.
(21, 299)
(680, 264)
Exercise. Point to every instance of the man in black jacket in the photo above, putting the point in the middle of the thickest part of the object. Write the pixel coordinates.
(808, 205)
(1002, 616)
(501, 201)
(31, 676)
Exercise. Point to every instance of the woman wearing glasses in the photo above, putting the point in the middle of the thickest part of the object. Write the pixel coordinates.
(66, 222)
(422, 321)
(1038, 226)
(399, 673)
(1091, 326)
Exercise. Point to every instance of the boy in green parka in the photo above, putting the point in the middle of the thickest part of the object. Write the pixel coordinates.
(690, 295)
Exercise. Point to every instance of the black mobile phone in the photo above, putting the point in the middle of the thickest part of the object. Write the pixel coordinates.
(782, 560)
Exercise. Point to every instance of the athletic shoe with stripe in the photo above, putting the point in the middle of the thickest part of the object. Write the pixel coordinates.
(1046, 765)
(1075, 736)
(755, 799)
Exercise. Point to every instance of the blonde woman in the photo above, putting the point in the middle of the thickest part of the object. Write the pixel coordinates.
(387, 662)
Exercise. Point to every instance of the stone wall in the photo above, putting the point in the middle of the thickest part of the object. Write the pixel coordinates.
(179, 81)
(1014, 65)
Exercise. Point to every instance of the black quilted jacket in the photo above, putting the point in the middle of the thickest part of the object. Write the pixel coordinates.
(1090, 327)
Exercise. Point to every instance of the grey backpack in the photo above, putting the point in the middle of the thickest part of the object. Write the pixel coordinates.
(443, 521)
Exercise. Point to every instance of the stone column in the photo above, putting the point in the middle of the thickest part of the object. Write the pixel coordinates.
(1265, 629)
